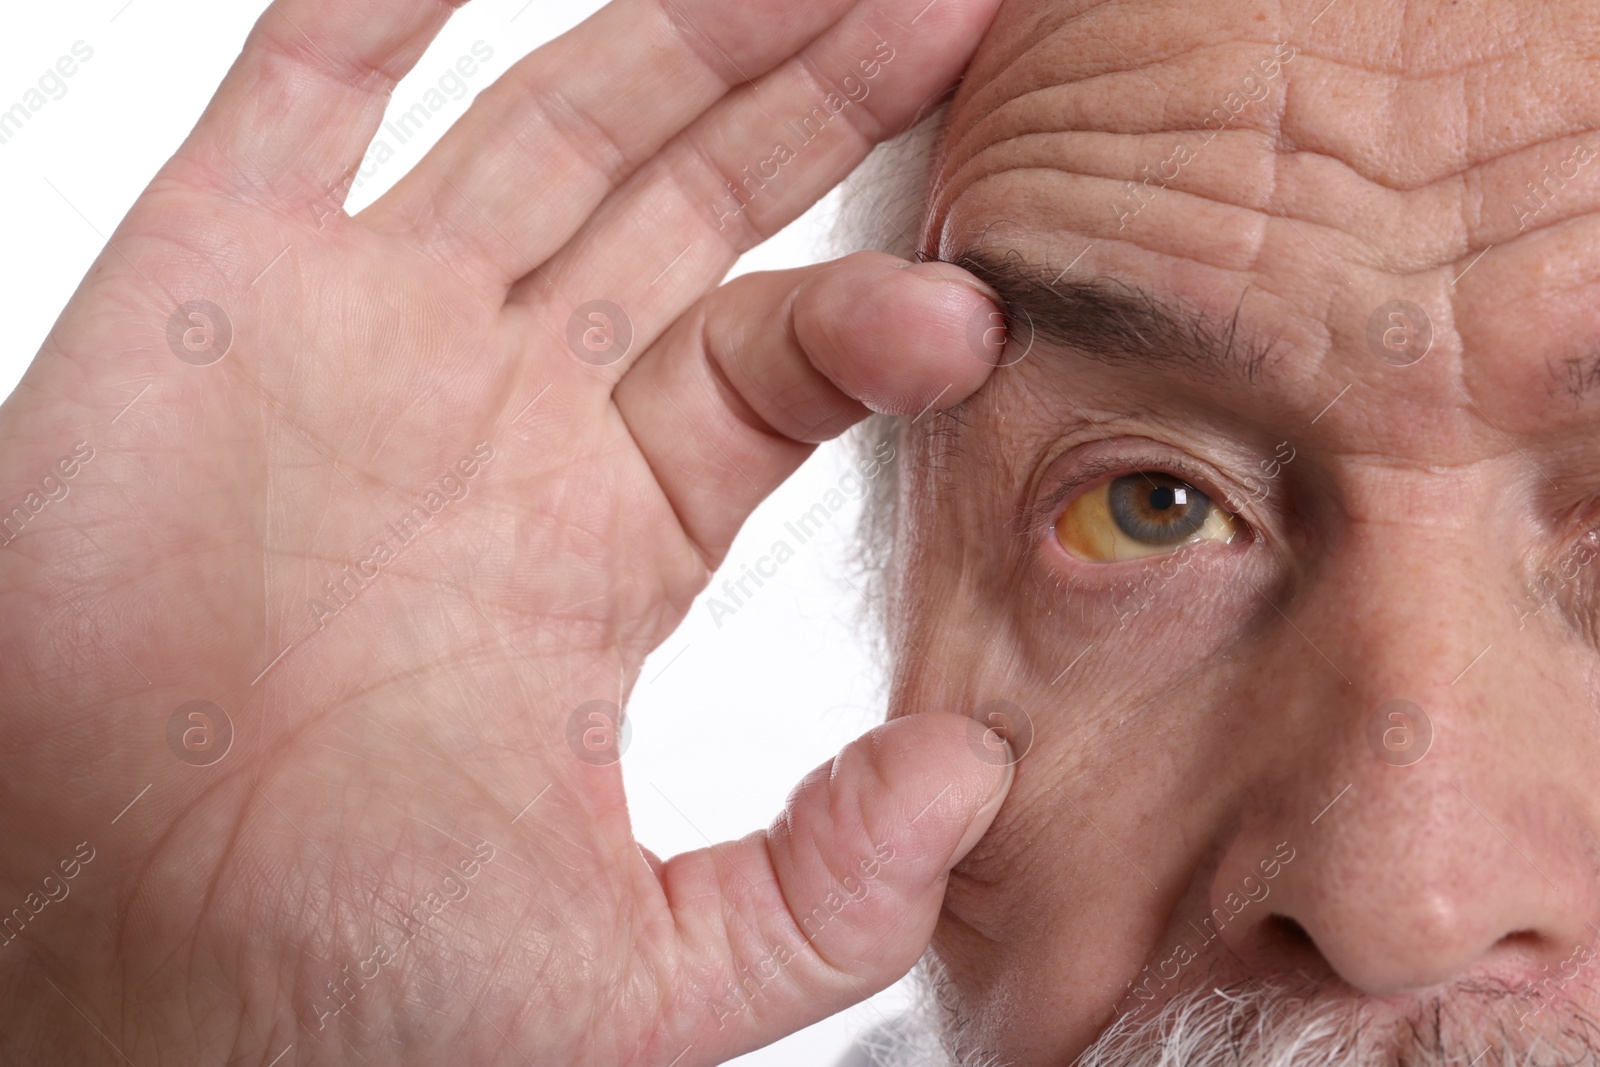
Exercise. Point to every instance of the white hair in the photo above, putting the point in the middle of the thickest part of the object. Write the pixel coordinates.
(1287, 1021)
(883, 207)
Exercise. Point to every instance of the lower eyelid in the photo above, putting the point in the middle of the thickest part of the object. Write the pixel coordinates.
(1115, 581)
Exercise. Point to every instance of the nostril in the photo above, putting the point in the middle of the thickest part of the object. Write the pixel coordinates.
(1523, 951)
(1276, 944)
(1287, 932)
(1286, 946)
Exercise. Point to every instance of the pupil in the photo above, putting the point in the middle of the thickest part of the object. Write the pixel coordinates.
(1161, 499)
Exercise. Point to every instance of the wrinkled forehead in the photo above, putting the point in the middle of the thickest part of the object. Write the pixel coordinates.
(1444, 97)
(1328, 158)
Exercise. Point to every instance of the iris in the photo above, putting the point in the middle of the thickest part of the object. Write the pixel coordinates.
(1157, 509)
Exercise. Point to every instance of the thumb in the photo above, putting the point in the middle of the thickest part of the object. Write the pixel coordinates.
(838, 898)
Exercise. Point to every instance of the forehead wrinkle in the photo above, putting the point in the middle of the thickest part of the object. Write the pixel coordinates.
(1031, 206)
(1466, 160)
(1053, 98)
(1442, 226)
(1425, 234)
(1484, 127)
(1406, 132)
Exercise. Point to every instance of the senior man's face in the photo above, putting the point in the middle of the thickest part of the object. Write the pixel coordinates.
(1280, 532)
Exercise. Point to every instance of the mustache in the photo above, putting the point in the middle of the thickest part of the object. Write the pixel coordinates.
(1281, 1021)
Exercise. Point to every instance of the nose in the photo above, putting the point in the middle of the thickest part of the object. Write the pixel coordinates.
(1429, 824)
(1399, 889)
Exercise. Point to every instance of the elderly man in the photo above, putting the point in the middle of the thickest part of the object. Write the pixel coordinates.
(1235, 494)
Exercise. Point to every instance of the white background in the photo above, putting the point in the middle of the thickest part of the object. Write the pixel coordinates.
(725, 719)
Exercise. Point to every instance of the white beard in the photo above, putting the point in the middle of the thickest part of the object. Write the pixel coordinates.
(1282, 1023)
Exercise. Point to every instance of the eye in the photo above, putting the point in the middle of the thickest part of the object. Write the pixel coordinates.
(1144, 514)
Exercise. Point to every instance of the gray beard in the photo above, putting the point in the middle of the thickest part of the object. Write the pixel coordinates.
(1287, 1022)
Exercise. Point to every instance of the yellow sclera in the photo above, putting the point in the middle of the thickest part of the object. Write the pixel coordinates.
(1089, 530)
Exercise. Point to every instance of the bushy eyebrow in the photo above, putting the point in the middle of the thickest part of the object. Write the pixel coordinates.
(1112, 320)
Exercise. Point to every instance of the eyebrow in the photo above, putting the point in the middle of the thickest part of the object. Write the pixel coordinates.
(1111, 320)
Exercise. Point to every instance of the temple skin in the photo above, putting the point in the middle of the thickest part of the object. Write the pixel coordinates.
(1284, 171)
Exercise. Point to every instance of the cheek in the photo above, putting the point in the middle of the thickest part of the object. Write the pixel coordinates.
(1057, 896)
(1045, 911)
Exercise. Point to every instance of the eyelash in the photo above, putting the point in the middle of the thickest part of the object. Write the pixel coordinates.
(1041, 516)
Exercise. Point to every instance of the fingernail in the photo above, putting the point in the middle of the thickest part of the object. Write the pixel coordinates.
(983, 818)
(935, 271)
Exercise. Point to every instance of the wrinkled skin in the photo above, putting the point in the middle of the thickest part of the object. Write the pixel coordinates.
(1430, 540)
(399, 857)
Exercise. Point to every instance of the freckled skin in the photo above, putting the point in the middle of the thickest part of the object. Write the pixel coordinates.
(1195, 737)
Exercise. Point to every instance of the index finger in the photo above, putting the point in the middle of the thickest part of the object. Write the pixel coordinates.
(528, 163)
(733, 398)
(298, 108)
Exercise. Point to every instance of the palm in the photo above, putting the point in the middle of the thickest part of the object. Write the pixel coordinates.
(358, 378)
(397, 536)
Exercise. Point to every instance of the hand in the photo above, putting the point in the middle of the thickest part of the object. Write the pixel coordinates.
(332, 544)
